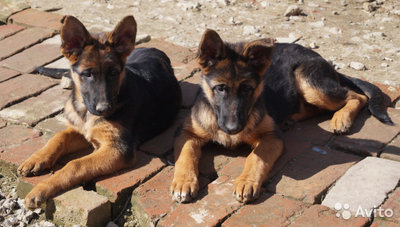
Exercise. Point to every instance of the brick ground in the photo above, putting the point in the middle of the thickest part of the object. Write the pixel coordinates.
(23, 87)
(14, 135)
(22, 40)
(35, 109)
(312, 162)
(311, 173)
(119, 186)
(152, 200)
(177, 54)
(52, 125)
(9, 7)
(209, 210)
(9, 29)
(6, 74)
(273, 210)
(86, 208)
(393, 203)
(392, 151)
(27, 60)
(36, 18)
(319, 215)
(16, 154)
(363, 138)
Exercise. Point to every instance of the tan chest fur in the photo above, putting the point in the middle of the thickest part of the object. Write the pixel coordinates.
(84, 126)
(254, 130)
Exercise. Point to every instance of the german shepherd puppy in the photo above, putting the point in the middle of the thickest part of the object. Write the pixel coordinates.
(248, 88)
(120, 98)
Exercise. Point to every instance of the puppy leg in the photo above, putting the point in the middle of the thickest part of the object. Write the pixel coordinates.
(185, 184)
(266, 151)
(108, 158)
(63, 142)
(344, 117)
(319, 85)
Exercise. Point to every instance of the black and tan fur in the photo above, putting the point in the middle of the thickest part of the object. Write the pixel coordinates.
(120, 98)
(248, 89)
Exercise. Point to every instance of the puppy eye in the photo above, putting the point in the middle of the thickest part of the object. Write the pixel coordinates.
(86, 73)
(247, 88)
(220, 88)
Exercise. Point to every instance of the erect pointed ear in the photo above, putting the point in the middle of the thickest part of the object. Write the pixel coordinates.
(123, 37)
(74, 37)
(211, 48)
(258, 54)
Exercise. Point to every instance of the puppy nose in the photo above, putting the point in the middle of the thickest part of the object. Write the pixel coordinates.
(102, 107)
(232, 127)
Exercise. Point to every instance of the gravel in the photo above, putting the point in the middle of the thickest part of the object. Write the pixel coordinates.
(13, 212)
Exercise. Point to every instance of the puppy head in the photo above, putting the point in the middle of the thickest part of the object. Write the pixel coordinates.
(97, 61)
(233, 77)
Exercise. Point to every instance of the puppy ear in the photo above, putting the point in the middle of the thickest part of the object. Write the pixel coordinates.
(74, 37)
(258, 54)
(211, 49)
(123, 37)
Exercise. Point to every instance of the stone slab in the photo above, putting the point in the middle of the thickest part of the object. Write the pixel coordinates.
(365, 185)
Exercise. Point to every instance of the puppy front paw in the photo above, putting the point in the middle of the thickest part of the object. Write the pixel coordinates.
(33, 166)
(246, 189)
(184, 188)
(37, 196)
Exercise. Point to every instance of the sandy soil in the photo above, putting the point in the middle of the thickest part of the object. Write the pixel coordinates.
(361, 31)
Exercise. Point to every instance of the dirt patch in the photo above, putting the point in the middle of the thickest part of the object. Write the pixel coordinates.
(359, 31)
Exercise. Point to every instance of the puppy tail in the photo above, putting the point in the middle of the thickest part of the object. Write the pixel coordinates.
(377, 98)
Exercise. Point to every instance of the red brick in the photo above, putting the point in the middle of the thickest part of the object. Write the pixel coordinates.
(36, 18)
(22, 87)
(19, 153)
(117, 187)
(302, 137)
(393, 203)
(391, 91)
(152, 199)
(383, 223)
(177, 54)
(35, 109)
(183, 71)
(368, 135)
(311, 173)
(319, 215)
(189, 93)
(79, 206)
(163, 143)
(6, 74)
(392, 150)
(9, 7)
(270, 210)
(13, 135)
(52, 125)
(76, 206)
(22, 40)
(211, 208)
(9, 29)
(235, 161)
(2, 123)
(35, 56)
